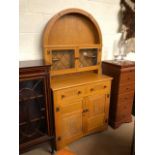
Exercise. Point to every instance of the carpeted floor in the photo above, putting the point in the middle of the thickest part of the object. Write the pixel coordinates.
(110, 142)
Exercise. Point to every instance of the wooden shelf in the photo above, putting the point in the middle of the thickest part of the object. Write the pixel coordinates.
(35, 141)
(33, 120)
(73, 46)
(30, 98)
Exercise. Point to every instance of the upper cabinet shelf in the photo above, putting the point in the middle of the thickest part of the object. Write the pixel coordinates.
(72, 42)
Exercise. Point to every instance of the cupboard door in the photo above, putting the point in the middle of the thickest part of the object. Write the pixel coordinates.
(33, 122)
(70, 122)
(94, 113)
(88, 57)
(62, 60)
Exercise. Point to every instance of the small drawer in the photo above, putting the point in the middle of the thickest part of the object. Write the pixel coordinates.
(125, 97)
(123, 112)
(70, 93)
(125, 106)
(99, 87)
(127, 77)
(126, 88)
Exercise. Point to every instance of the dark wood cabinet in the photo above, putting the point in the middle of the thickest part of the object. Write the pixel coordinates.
(35, 108)
(122, 92)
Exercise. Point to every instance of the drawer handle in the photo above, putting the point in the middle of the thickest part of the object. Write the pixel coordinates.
(79, 92)
(127, 88)
(105, 87)
(62, 96)
(92, 89)
(85, 110)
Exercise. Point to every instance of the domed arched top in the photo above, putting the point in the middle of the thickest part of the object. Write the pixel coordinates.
(72, 27)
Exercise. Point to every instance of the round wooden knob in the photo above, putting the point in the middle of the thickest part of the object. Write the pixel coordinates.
(92, 89)
(79, 92)
(105, 86)
(62, 96)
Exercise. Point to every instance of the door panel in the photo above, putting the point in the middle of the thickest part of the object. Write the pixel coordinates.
(71, 121)
(95, 113)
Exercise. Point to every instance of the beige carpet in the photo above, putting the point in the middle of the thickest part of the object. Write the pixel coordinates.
(110, 142)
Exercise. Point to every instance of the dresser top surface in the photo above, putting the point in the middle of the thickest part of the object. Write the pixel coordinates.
(71, 80)
(120, 63)
(32, 64)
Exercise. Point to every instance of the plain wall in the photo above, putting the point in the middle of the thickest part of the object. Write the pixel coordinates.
(34, 15)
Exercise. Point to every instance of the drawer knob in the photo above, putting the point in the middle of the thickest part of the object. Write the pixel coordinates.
(85, 110)
(106, 121)
(105, 87)
(92, 89)
(62, 96)
(79, 92)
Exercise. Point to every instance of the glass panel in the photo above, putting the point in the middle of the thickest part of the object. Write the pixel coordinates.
(63, 59)
(32, 117)
(88, 57)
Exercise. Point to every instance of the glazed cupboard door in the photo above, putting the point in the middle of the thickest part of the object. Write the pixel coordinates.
(69, 122)
(62, 60)
(89, 58)
(95, 113)
(33, 123)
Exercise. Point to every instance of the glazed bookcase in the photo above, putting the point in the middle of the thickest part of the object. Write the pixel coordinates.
(35, 109)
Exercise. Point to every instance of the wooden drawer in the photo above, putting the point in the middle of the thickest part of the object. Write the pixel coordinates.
(123, 111)
(102, 87)
(126, 88)
(125, 98)
(70, 93)
(127, 77)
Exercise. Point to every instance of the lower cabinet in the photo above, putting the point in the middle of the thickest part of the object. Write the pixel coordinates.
(80, 111)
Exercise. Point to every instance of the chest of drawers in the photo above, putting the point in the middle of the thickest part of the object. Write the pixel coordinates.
(81, 105)
(122, 92)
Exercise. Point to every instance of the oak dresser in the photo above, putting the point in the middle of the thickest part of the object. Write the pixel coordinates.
(72, 44)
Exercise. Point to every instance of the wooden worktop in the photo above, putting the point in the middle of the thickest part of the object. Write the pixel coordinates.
(66, 81)
(120, 63)
(33, 64)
